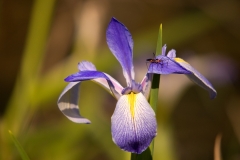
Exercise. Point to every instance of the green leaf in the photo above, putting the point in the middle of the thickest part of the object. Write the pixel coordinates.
(20, 149)
(159, 41)
(146, 155)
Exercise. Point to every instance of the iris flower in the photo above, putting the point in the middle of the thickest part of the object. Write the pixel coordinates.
(133, 123)
(162, 64)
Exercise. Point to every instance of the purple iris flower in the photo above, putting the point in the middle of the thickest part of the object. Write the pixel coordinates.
(133, 123)
(167, 64)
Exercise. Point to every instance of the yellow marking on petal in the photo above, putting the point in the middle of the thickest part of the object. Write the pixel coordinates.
(131, 101)
(180, 60)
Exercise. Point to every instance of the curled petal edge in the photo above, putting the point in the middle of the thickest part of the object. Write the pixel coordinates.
(68, 103)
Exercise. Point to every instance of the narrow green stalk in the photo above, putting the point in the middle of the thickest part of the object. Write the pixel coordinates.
(20, 149)
(156, 82)
(19, 105)
(148, 154)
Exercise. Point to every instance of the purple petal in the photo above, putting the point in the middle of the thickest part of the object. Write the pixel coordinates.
(86, 66)
(68, 103)
(172, 54)
(146, 85)
(166, 66)
(164, 50)
(198, 78)
(120, 43)
(103, 79)
(133, 123)
(85, 75)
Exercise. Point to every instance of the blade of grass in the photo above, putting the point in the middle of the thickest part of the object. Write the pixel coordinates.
(20, 149)
(148, 154)
(156, 81)
(17, 111)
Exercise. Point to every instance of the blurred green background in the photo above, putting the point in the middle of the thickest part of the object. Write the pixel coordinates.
(42, 41)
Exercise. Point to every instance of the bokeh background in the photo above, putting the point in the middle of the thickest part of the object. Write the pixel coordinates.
(42, 41)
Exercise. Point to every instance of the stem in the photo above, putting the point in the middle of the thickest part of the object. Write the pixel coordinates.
(156, 82)
(148, 154)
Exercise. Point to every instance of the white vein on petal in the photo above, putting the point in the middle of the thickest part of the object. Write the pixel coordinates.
(68, 103)
(140, 128)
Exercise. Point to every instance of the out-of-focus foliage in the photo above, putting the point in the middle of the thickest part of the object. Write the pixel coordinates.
(42, 41)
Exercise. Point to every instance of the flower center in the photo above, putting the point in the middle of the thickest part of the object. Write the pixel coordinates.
(135, 88)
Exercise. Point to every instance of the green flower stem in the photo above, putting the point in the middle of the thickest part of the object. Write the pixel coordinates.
(25, 86)
(20, 103)
(148, 154)
(156, 82)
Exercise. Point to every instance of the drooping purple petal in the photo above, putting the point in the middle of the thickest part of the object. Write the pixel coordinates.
(166, 65)
(198, 78)
(120, 43)
(133, 123)
(68, 103)
(103, 79)
(85, 75)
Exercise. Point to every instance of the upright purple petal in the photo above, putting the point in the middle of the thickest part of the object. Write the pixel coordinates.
(146, 84)
(165, 65)
(86, 66)
(172, 53)
(164, 48)
(120, 43)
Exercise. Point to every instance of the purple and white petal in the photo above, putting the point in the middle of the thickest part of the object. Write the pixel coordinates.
(133, 123)
(68, 103)
(120, 43)
(117, 86)
(85, 75)
(86, 66)
(166, 66)
(172, 54)
(97, 76)
(164, 48)
(146, 85)
(198, 78)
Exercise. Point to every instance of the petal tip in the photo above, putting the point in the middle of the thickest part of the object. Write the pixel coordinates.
(213, 94)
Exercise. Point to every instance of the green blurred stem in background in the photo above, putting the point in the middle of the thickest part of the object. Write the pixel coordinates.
(22, 152)
(25, 88)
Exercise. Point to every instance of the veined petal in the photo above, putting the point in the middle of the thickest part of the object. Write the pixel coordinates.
(166, 65)
(103, 79)
(197, 77)
(120, 43)
(68, 103)
(133, 123)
